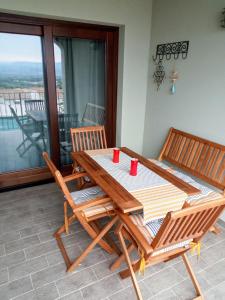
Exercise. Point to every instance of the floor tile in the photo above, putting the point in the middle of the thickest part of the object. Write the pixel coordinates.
(47, 292)
(185, 290)
(75, 281)
(36, 271)
(102, 288)
(215, 274)
(27, 268)
(41, 249)
(15, 288)
(73, 296)
(9, 236)
(2, 250)
(129, 293)
(4, 276)
(21, 244)
(216, 293)
(11, 259)
(48, 275)
(162, 280)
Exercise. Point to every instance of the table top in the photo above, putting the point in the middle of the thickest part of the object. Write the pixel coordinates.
(125, 200)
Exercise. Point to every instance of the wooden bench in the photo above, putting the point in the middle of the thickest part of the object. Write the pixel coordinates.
(199, 157)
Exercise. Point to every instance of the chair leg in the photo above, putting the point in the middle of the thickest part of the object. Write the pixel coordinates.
(133, 277)
(107, 237)
(92, 244)
(66, 222)
(93, 235)
(193, 277)
(215, 229)
(121, 258)
(57, 235)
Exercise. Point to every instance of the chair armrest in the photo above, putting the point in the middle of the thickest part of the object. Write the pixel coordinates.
(134, 231)
(93, 202)
(74, 176)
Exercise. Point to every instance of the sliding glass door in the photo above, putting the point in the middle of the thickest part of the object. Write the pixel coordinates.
(53, 76)
(80, 80)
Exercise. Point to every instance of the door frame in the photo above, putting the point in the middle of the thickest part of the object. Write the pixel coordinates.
(47, 29)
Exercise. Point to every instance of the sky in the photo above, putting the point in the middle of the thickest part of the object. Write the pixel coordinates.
(26, 48)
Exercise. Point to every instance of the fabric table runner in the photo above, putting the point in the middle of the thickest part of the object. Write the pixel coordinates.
(157, 195)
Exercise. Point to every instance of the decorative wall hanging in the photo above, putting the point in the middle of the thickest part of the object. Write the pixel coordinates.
(171, 50)
(223, 19)
(173, 77)
(159, 74)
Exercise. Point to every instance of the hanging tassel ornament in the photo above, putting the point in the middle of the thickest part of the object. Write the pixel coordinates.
(173, 77)
(142, 263)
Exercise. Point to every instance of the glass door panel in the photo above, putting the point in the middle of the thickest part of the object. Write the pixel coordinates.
(23, 118)
(80, 80)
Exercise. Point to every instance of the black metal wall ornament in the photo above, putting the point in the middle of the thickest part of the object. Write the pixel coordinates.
(223, 19)
(159, 74)
(171, 50)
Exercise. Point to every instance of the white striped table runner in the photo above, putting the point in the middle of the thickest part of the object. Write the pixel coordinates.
(157, 195)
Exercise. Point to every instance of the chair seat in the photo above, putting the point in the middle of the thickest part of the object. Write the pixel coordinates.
(84, 195)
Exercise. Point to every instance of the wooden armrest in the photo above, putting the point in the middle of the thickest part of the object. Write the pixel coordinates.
(93, 202)
(74, 176)
(136, 234)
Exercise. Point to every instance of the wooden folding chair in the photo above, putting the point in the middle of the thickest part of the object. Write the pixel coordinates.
(87, 138)
(179, 232)
(31, 137)
(88, 206)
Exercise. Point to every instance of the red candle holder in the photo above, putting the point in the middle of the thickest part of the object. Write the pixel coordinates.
(133, 166)
(116, 155)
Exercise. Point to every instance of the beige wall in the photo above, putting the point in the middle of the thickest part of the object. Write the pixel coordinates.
(134, 18)
(199, 104)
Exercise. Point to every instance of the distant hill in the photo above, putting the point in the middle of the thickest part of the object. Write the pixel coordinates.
(24, 69)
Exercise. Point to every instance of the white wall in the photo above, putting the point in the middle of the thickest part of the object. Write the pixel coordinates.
(199, 104)
(134, 18)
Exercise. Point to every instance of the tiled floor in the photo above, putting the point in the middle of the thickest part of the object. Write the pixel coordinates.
(32, 268)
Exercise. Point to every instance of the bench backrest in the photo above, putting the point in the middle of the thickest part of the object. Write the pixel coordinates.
(200, 157)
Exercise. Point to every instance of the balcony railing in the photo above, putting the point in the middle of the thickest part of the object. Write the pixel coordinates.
(17, 101)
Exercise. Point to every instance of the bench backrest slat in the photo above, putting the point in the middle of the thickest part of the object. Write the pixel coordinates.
(200, 157)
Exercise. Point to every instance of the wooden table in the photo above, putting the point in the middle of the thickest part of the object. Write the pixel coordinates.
(122, 198)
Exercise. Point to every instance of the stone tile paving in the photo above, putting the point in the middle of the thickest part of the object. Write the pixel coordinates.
(32, 268)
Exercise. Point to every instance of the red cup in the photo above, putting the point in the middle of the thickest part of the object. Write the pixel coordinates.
(116, 155)
(133, 166)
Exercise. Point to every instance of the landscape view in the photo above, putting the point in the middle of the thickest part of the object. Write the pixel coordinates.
(25, 75)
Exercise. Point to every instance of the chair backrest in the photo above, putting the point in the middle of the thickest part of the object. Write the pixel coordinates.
(67, 121)
(58, 178)
(94, 114)
(34, 105)
(200, 157)
(18, 120)
(188, 223)
(88, 138)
